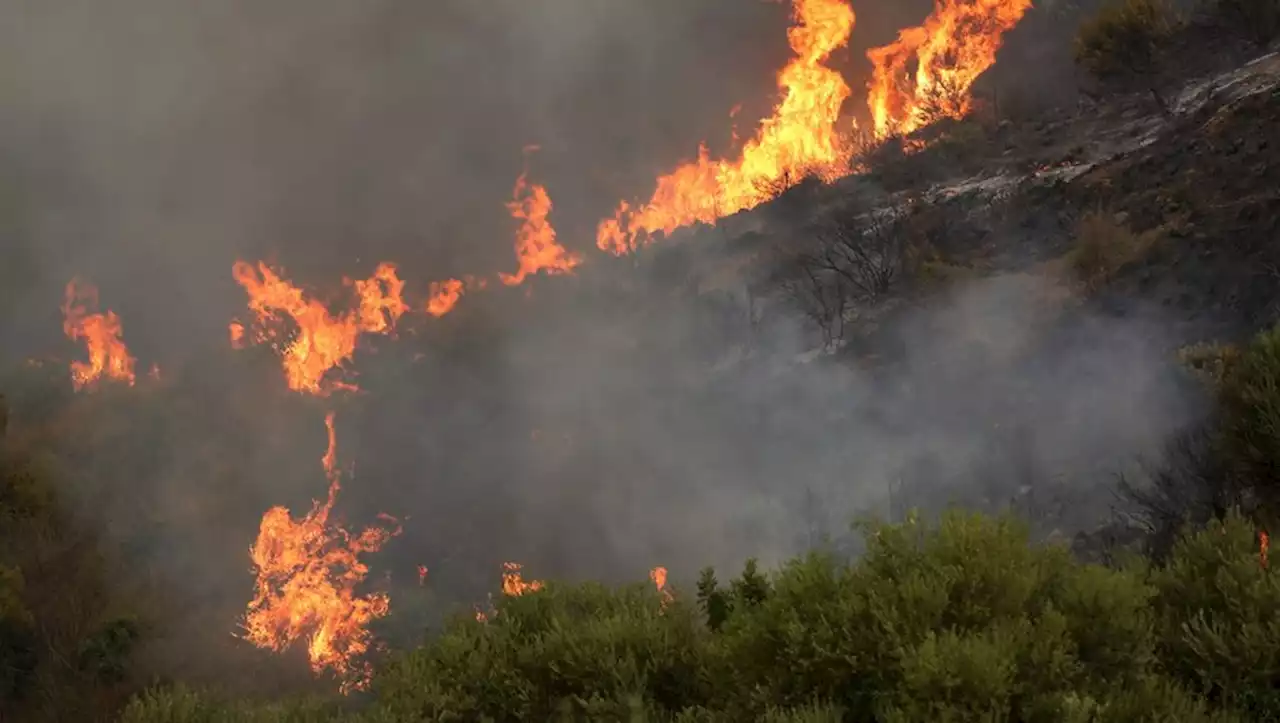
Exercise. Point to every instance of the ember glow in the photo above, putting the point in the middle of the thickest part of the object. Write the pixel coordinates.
(798, 139)
(102, 334)
(926, 74)
(1264, 545)
(536, 246)
(308, 571)
(320, 341)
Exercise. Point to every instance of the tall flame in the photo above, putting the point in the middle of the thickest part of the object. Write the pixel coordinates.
(536, 246)
(322, 341)
(1264, 546)
(101, 332)
(307, 574)
(799, 138)
(927, 73)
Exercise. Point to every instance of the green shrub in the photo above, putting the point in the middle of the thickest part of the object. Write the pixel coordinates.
(1216, 604)
(563, 652)
(183, 705)
(1249, 403)
(1126, 43)
(966, 621)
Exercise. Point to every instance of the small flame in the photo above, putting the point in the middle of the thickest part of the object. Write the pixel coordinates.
(307, 572)
(536, 245)
(1264, 544)
(514, 584)
(798, 139)
(101, 332)
(444, 295)
(322, 341)
(928, 71)
(659, 577)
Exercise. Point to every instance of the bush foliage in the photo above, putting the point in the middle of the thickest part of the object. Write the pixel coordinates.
(961, 620)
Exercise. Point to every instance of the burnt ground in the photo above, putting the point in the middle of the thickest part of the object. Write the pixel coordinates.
(1005, 198)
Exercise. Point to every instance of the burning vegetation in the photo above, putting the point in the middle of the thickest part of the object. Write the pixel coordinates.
(102, 334)
(308, 572)
(750, 649)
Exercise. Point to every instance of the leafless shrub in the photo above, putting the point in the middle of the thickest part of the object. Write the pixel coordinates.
(819, 295)
(866, 255)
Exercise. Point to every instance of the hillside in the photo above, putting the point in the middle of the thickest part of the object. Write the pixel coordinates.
(1032, 353)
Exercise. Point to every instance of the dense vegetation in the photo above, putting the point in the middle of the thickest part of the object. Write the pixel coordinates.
(962, 618)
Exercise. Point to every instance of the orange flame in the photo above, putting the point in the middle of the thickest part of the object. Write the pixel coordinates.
(514, 584)
(536, 246)
(1264, 544)
(928, 71)
(799, 138)
(322, 341)
(102, 334)
(444, 295)
(659, 577)
(307, 572)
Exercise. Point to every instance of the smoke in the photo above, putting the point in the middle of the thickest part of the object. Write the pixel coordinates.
(591, 426)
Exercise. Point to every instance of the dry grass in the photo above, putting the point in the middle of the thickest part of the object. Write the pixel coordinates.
(1105, 244)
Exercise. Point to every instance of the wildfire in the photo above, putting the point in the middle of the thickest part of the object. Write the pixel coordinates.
(514, 584)
(444, 295)
(322, 340)
(798, 139)
(307, 573)
(927, 73)
(659, 577)
(101, 333)
(536, 246)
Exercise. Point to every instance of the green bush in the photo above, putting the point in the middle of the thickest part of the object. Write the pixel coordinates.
(1126, 45)
(183, 705)
(1216, 603)
(965, 621)
(564, 652)
(1249, 401)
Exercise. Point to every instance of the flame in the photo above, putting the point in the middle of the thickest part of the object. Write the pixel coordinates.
(927, 73)
(536, 246)
(799, 138)
(513, 583)
(444, 295)
(101, 332)
(381, 299)
(322, 340)
(1264, 544)
(659, 577)
(307, 572)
